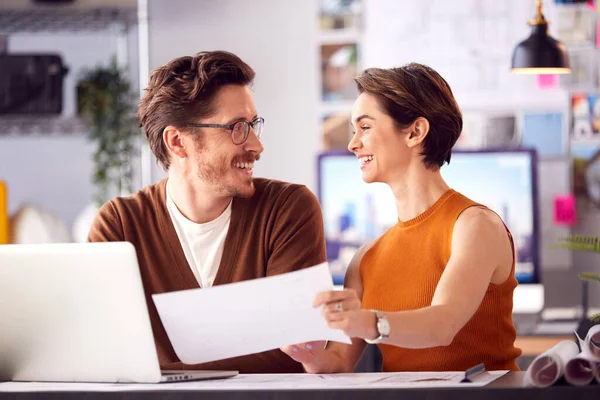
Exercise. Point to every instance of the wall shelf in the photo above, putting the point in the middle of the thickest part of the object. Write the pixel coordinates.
(25, 126)
(339, 36)
(64, 19)
(334, 107)
(41, 19)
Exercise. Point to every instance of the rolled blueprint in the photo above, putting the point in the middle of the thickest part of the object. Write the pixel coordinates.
(590, 349)
(590, 346)
(580, 371)
(549, 366)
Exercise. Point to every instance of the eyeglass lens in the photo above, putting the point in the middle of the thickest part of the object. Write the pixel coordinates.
(242, 129)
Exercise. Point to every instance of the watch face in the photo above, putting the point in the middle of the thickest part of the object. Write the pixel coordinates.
(383, 326)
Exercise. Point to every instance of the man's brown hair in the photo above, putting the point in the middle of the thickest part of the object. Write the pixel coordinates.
(413, 91)
(184, 91)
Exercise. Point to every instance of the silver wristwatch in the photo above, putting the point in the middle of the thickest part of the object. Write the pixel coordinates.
(383, 328)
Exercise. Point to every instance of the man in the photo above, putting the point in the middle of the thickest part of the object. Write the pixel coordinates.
(210, 222)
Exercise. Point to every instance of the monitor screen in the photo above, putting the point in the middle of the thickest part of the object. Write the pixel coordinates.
(355, 212)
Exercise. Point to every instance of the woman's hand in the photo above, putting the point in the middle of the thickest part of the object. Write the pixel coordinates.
(342, 310)
(305, 353)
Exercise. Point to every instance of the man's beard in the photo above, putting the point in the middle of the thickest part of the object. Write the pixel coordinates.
(216, 172)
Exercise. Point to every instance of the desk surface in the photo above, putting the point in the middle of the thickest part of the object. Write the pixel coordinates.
(534, 345)
(509, 386)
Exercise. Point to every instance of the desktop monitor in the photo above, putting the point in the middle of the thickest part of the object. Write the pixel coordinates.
(355, 212)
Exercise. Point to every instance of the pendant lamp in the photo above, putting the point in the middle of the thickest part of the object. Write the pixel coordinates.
(540, 53)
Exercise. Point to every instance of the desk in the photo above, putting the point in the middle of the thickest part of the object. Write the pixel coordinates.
(507, 387)
(534, 345)
(530, 345)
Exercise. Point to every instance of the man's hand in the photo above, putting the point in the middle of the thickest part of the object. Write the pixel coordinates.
(305, 353)
(342, 310)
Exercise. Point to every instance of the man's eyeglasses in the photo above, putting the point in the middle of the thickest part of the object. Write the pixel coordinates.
(239, 130)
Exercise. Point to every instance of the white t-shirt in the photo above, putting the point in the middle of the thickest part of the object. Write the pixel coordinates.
(202, 243)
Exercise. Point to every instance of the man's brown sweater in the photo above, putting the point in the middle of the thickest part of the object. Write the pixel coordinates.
(279, 229)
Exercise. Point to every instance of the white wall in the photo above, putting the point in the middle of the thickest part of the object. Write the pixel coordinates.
(278, 42)
(469, 42)
(51, 173)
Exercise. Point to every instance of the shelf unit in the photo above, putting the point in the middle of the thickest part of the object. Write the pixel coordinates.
(27, 126)
(339, 36)
(62, 19)
(65, 19)
(333, 107)
(338, 40)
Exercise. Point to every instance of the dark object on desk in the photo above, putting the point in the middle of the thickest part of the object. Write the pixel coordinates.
(371, 360)
(31, 84)
(475, 373)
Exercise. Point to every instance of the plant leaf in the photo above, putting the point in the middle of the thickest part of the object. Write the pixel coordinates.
(589, 276)
(106, 105)
(578, 242)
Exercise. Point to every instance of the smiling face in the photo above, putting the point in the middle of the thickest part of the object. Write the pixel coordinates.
(215, 159)
(378, 142)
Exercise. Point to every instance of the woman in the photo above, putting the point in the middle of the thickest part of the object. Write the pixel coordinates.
(435, 291)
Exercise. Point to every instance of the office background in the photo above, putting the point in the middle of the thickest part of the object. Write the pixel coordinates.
(469, 42)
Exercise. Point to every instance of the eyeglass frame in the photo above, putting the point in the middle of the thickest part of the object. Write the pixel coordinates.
(232, 126)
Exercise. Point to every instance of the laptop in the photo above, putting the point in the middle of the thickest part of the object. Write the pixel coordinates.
(77, 313)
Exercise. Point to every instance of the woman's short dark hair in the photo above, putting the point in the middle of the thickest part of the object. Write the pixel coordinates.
(184, 90)
(415, 90)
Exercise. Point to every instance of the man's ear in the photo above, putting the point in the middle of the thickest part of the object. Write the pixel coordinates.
(417, 132)
(173, 139)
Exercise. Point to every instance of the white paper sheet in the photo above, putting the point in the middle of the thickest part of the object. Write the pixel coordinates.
(247, 317)
(398, 380)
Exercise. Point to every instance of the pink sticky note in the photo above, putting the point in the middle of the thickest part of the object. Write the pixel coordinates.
(547, 81)
(565, 210)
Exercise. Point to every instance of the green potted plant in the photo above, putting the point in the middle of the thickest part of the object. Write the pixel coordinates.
(106, 104)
